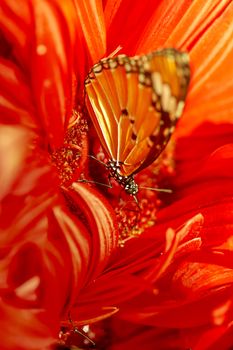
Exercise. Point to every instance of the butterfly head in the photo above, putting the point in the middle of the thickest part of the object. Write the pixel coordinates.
(131, 187)
(127, 182)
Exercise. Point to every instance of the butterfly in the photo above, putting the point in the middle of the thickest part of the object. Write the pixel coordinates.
(134, 104)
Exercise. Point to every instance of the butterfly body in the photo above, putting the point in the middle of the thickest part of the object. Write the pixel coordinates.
(134, 104)
(125, 181)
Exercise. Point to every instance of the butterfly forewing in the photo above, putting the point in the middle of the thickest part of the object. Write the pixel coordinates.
(104, 99)
(134, 104)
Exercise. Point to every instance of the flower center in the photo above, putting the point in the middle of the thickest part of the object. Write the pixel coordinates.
(68, 158)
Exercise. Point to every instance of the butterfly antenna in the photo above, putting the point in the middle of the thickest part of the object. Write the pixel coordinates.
(112, 54)
(85, 181)
(165, 190)
(97, 160)
(109, 185)
(76, 330)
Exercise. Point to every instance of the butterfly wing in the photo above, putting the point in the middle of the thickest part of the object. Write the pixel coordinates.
(169, 73)
(134, 104)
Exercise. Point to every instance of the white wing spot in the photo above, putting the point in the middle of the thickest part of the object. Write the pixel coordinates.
(172, 105)
(165, 98)
(180, 108)
(157, 83)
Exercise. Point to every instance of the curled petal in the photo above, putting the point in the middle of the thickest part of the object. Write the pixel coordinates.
(172, 241)
(123, 282)
(99, 219)
(77, 249)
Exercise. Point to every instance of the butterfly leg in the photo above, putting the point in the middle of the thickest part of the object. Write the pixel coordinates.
(109, 185)
(136, 200)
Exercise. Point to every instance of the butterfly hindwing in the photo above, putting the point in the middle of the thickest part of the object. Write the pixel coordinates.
(134, 104)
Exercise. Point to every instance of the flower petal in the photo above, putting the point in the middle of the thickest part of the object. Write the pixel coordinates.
(15, 19)
(99, 219)
(198, 18)
(128, 31)
(52, 66)
(216, 338)
(91, 17)
(48, 32)
(162, 25)
(13, 150)
(78, 255)
(211, 64)
(24, 330)
(15, 100)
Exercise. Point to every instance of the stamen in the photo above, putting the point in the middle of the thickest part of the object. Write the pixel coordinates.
(67, 158)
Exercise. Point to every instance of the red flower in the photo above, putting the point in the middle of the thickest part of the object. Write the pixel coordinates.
(173, 284)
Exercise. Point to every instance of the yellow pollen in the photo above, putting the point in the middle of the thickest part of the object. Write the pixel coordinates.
(67, 158)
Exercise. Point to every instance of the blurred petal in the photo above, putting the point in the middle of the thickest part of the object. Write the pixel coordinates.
(110, 9)
(52, 66)
(198, 18)
(216, 338)
(91, 17)
(13, 149)
(48, 32)
(15, 20)
(127, 22)
(193, 151)
(15, 100)
(166, 18)
(26, 330)
(126, 335)
(211, 63)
